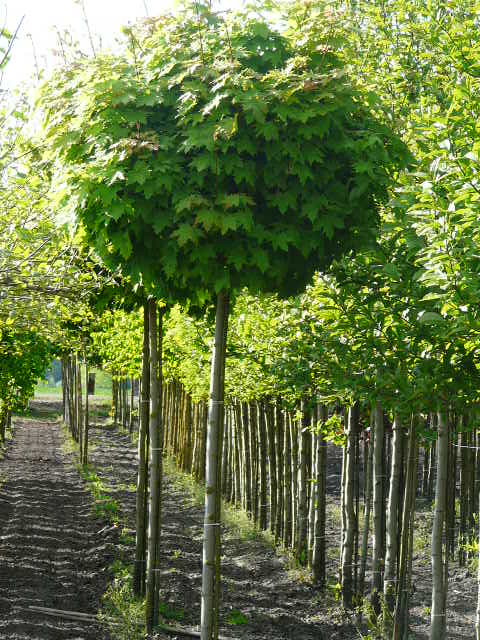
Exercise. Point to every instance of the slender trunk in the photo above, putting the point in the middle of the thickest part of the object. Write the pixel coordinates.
(287, 485)
(477, 623)
(400, 621)
(279, 441)
(211, 534)
(78, 376)
(86, 418)
(350, 515)
(237, 468)
(262, 439)
(389, 585)
(295, 470)
(368, 462)
(438, 611)
(130, 425)
(318, 554)
(141, 534)
(243, 410)
(156, 468)
(64, 389)
(302, 520)
(272, 465)
(378, 506)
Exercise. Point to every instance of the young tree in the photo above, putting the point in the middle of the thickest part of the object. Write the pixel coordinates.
(230, 155)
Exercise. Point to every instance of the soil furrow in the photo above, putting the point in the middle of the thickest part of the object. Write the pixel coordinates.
(50, 552)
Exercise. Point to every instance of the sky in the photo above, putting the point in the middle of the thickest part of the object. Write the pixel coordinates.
(42, 17)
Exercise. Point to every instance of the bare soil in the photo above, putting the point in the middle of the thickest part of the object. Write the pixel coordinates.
(51, 554)
(55, 553)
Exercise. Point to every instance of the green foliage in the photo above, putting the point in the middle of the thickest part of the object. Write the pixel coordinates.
(105, 506)
(123, 613)
(172, 157)
(24, 357)
(236, 617)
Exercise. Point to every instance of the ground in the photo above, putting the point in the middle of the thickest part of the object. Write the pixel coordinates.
(56, 550)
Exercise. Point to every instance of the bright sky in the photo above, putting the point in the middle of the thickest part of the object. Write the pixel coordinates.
(42, 17)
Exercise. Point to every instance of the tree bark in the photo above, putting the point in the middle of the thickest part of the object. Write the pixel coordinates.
(211, 533)
(349, 510)
(389, 586)
(272, 465)
(438, 611)
(378, 507)
(401, 607)
(302, 520)
(141, 534)
(86, 418)
(156, 467)
(368, 463)
(318, 554)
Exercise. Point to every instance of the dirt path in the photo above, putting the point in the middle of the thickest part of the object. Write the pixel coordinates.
(50, 552)
(255, 581)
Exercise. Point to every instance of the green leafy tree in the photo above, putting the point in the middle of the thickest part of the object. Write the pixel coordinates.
(224, 153)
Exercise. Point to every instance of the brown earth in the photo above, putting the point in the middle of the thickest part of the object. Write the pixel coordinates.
(54, 552)
(51, 553)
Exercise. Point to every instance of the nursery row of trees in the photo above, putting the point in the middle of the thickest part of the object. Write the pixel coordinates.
(310, 173)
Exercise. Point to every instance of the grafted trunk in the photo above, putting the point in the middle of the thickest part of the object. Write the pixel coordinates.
(438, 610)
(389, 587)
(211, 534)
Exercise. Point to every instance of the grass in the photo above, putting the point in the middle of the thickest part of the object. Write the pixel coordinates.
(103, 386)
(106, 507)
(123, 613)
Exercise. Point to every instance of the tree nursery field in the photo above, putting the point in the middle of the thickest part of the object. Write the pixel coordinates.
(259, 229)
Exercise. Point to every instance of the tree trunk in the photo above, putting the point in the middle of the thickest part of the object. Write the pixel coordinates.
(141, 534)
(156, 466)
(211, 534)
(400, 622)
(318, 554)
(368, 463)
(302, 520)
(78, 377)
(287, 485)
(378, 507)
(262, 439)
(389, 585)
(243, 409)
(272, 465)
(86, 418)
(438, 611)
(477, 623)
(279, 441)
(350, 515)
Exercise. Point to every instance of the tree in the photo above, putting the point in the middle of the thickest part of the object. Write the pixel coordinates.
(223, 154)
